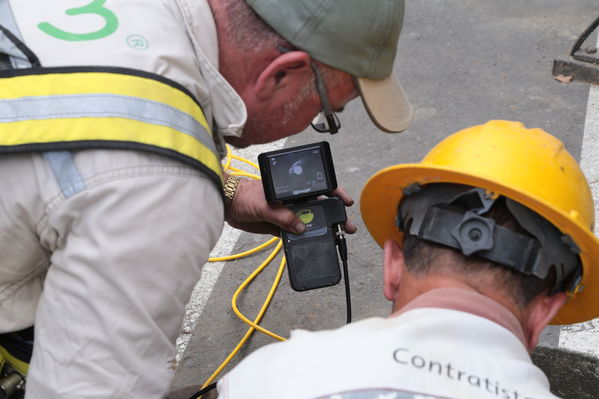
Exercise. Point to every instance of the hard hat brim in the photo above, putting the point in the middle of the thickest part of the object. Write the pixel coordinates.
(383, 192)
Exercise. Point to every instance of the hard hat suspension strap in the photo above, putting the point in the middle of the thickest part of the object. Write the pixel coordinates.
(450, 215)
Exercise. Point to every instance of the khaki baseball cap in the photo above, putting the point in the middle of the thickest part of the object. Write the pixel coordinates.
(355, 36)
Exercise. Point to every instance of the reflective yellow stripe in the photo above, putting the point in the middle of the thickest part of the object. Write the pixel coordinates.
(100, 82)
(110, 129)
(56, 124)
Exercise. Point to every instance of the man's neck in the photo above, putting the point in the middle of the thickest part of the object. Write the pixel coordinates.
(414, 286)
(468, 300)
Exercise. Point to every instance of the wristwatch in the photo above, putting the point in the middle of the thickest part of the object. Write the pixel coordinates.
(230, 187)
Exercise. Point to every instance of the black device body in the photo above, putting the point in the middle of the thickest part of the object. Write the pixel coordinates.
(295, 177)
(312, 257)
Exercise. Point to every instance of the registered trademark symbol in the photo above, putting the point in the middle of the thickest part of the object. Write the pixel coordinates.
(138, 42)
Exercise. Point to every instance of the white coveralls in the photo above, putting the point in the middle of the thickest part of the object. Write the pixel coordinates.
(100, 249)
(447, 343)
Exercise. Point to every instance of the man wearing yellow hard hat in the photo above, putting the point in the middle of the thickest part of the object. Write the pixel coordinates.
(486, 241)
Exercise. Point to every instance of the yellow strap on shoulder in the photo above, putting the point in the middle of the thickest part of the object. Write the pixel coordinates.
(74, 108)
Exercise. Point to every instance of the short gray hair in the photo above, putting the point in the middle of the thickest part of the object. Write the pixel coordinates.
(246, 29)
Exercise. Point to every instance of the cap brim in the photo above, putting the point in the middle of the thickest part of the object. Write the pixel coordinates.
(386, 103)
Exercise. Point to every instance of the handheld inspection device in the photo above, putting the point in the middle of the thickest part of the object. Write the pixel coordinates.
(296, 177)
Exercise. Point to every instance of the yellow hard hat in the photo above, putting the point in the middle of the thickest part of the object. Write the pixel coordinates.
(529, 166)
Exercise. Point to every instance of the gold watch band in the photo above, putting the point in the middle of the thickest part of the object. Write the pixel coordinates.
(230, 188)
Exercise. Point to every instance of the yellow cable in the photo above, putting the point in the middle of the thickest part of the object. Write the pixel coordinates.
(237, 157)
(247, 321)
(246, 253)
(239, 172)
(229, 158)
(235, 169)
(252, 176)
(253, 325)
(260, 314)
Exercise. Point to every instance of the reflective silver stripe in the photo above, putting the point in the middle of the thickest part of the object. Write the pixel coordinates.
(7, 19)
(66, 172)
(105, 106)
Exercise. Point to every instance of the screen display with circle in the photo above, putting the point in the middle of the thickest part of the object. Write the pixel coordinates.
(298, 173)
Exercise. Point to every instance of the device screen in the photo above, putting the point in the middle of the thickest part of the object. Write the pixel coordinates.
(298, 173)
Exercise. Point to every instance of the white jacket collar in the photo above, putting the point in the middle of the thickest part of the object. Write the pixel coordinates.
(469, 302)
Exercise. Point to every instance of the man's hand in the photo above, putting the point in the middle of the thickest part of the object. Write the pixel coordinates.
(249, 211)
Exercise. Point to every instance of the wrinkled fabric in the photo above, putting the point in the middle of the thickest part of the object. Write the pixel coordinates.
(105, 274)
(173, 38)
(429, 351)
(103, 260)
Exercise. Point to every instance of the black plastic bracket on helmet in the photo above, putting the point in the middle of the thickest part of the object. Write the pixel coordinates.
(450, 214)
(474, 233)
(478, 236)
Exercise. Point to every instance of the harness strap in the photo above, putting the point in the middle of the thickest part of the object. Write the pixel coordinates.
(48, 109)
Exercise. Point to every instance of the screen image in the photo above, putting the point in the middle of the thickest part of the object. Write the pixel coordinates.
(298, 173)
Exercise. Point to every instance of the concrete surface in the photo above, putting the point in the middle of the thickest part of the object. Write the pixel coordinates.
(571, 374)
(462, 62)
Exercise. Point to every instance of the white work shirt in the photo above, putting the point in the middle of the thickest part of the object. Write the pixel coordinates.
(423, 353)
(101, 249)
(173, 38)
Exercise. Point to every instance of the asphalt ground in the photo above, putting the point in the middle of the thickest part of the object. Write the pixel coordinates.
(462, 63)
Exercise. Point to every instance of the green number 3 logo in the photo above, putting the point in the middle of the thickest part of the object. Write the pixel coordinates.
(95, 7)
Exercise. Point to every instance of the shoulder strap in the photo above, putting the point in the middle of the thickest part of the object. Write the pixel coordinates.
(46, 109)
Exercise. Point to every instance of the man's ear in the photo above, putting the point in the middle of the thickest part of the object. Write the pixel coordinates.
(539, 313)
(393, 264)
(283, 77)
